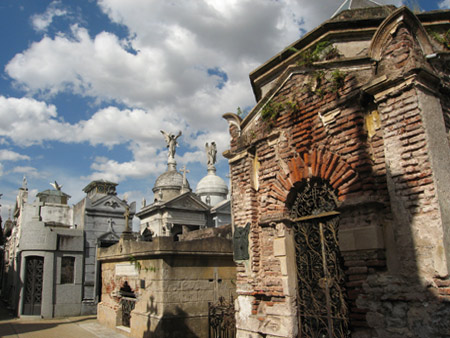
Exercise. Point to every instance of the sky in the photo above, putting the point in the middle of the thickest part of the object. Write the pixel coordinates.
(86, 86)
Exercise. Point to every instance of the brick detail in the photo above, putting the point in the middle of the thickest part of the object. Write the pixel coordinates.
(316, 163)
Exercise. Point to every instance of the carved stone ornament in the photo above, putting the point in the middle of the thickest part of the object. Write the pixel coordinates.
(240, 243)
(112, 204)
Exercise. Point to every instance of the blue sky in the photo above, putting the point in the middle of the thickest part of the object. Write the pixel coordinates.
(86, 86)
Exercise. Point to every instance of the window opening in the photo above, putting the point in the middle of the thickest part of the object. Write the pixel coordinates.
(67, 270)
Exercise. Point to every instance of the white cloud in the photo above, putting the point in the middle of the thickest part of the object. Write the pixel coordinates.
(27, 171)
(444, 4)
(40, 22)
(160, 73)
(8, 155)
(27, 121)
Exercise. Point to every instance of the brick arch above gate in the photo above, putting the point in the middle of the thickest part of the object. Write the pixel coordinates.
(315, 163)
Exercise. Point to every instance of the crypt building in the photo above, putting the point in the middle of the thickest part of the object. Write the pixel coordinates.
(340, 181)
(177, 210)
(50, 266)
(162, 285)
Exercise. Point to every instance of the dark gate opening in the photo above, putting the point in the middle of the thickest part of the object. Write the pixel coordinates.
(321, 296)
(221, 319)
(34, 271)
(127, 302)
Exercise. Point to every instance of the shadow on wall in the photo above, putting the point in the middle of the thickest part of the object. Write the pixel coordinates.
(410, 300)
(172, 325)
(11, 285)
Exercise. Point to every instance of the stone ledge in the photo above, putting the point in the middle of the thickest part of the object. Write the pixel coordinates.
(164, 246)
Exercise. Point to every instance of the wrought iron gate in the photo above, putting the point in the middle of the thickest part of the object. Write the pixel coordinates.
(221, 320)
(127, 306)
(322, 307)
(34, 268)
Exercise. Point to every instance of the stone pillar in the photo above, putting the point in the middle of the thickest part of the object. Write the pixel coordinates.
(439, 154)
(417, 157)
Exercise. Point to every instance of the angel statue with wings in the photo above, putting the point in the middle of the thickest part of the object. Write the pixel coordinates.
(211, 151)
(171, 141)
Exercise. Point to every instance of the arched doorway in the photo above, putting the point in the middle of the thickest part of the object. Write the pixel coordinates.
(321, 301)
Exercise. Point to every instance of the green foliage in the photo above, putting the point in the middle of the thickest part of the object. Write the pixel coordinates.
(337, 80)
(272, 110)
(239, 112)
(324, 50)
(443, 39)
(133, 260)
(319, 79)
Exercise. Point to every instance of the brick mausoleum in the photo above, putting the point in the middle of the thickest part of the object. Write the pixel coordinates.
(340, 182)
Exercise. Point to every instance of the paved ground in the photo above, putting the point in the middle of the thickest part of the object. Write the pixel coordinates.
(71, 327)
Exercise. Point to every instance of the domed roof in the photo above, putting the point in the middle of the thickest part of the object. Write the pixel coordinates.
(170, 184)
(212, 188)
(169, 179)
(212, 183)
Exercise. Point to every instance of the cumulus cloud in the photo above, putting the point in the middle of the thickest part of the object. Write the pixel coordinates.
(27, 121)
(114, 171)
(8, 155)
(182, 66)
(444, 4)
(27, 171)
(40, 22)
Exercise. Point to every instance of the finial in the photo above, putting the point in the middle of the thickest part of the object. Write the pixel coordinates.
(24, 183)
(184, 171)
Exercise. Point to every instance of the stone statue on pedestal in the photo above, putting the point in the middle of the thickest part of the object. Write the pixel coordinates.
(171, 141)
(211, 151)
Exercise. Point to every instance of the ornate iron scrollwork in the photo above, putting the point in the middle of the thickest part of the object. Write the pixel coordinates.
(221, 319)
(34, 271)
(313, 197)
(127, 306)
(321, 296)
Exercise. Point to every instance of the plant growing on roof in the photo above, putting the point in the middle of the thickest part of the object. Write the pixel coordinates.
(272, 110)
(337, 80)
(443, 39)
(319, 78)
(323, 50)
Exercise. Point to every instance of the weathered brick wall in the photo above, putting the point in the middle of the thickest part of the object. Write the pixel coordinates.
(339, 150)
(373, 132)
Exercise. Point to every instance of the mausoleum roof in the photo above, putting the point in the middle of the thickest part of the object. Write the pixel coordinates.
(212, 184)
(53, 196)
(169, 179)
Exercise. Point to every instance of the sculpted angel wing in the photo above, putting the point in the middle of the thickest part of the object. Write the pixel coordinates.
(166, 136)
(56, 186)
